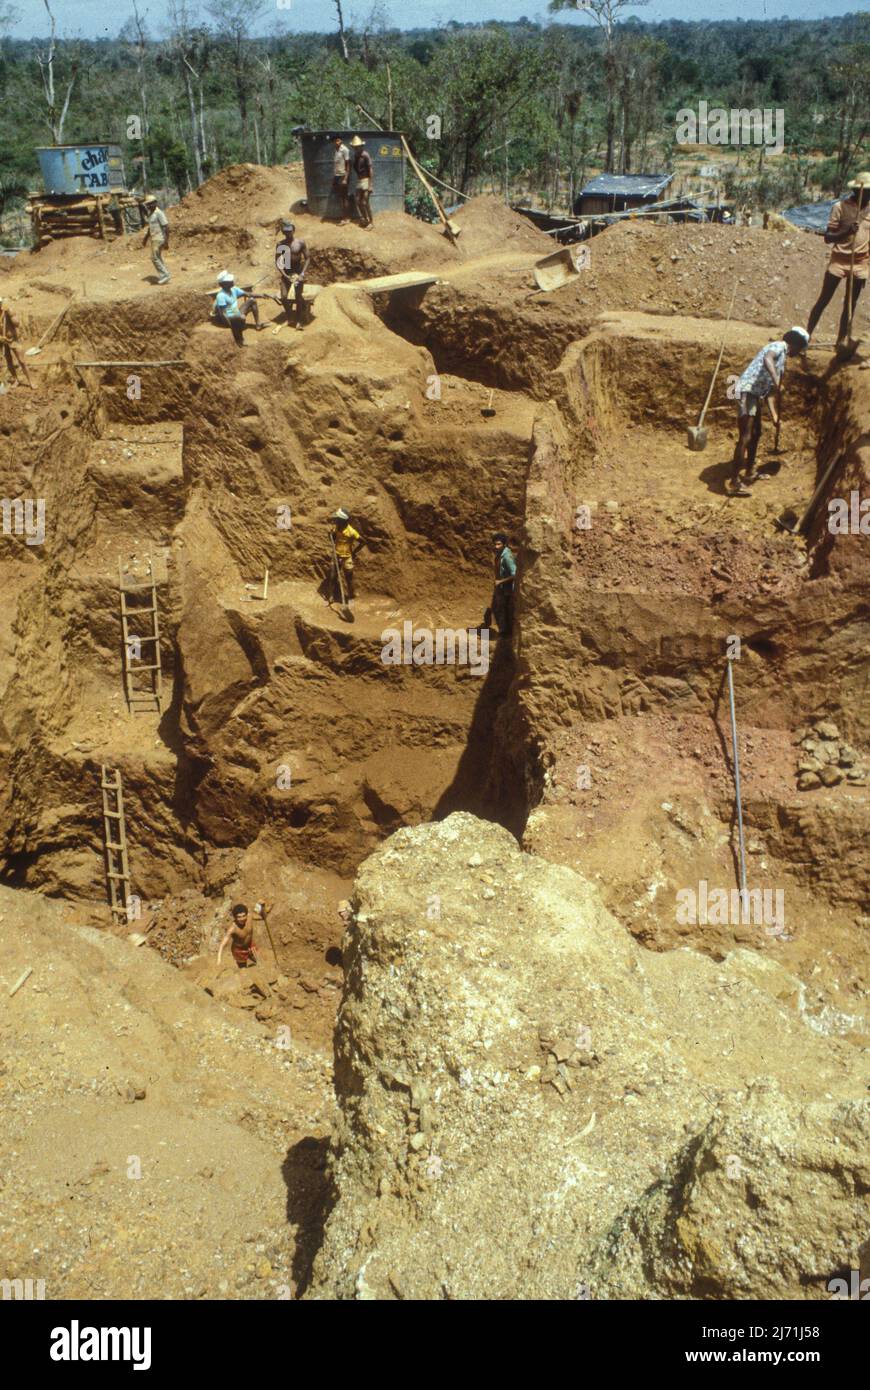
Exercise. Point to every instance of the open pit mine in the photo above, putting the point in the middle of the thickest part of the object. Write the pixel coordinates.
(511, 1030)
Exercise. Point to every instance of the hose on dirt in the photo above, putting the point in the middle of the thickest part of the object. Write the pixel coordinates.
(736, 756)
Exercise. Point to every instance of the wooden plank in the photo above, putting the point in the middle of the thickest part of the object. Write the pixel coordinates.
(385, 284)
(168, 362)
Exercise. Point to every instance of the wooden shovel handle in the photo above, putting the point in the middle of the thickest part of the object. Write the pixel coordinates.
(430, 190)
(719, 358)
(55, 325)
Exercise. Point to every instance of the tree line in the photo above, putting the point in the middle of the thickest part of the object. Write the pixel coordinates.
(526, 108)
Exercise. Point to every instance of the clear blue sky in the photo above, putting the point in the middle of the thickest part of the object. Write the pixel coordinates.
(93, 18)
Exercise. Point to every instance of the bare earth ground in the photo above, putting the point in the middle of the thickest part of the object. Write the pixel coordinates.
(614, 668)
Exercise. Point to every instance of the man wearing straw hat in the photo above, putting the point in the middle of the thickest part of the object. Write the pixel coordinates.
(365, 173)
(849, 235)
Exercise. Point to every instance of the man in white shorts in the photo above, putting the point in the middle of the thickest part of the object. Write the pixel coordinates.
(365, 173)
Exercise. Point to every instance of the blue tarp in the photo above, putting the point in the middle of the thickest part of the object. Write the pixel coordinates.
(813, 217)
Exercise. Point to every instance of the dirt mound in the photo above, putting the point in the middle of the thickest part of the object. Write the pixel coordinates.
(488, 225)
(502, 1044)
(693, 269)
(241, 195)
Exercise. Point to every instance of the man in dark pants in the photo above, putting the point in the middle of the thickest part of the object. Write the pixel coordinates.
(347, 541)
(341, 175)
(291, 261)
(503, 593)
(848, 231)
(232, 306)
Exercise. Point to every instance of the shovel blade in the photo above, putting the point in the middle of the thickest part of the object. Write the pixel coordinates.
(696, 438)
(788, 521)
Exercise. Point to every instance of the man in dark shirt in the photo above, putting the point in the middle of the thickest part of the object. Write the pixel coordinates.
(291, 261)
(503, 593)
(365, 177)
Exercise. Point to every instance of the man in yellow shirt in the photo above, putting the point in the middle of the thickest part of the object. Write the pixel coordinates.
(849, 235)
(347, 542)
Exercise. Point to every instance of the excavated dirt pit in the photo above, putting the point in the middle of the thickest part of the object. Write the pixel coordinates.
(194, 474)
(656, 567)
(286, 749)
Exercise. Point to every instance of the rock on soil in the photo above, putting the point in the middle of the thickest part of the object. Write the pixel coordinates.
(531, 1106)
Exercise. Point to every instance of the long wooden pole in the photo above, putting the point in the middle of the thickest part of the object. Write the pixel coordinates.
(452, 232)
(719, 358)
(170, 362)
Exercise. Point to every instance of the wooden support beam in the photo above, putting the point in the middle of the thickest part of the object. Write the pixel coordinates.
(170, 362)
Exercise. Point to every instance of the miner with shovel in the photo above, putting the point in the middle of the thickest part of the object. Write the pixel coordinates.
(761, 382)
(344, 541)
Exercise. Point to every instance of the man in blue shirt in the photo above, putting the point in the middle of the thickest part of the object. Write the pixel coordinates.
(503, 593)
(232, 306)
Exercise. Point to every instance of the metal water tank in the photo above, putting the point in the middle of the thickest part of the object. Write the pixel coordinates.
(388, 160)
(90, 169)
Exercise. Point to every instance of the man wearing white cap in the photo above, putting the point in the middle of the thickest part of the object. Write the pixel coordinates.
(232, 306)
(849, 235)
(761, 380)
(347, 541)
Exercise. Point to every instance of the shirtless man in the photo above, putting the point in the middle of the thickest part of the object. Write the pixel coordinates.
(291, 262)
(10, 332)
(365, 171)
(240, 933)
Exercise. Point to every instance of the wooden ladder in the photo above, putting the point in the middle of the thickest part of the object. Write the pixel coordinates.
(140, 699)
(115, 837)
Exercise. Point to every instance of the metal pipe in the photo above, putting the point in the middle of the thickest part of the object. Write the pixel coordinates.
(736, 755)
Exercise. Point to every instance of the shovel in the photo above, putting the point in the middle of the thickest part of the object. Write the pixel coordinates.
(779, 393)
(344, 611)
(561, 267)
(696, 435)
(789, 520)
(50, 331)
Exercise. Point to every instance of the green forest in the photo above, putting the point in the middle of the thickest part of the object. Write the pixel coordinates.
(529, 109)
